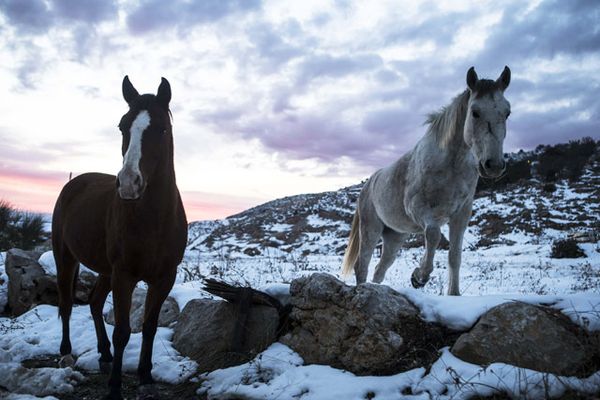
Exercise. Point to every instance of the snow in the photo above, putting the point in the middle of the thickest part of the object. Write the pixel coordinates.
(38, 333)
(519, 268)
(47, 262)
(279, 373)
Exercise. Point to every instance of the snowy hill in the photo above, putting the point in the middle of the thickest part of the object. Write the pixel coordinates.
(510, 254)
(529, 210)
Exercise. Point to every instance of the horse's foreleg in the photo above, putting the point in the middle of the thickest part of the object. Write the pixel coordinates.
(392, 241)
(420, 275)
(122, 287)
(157, 293)
(458, 224)
(97, 299)
(66, 268)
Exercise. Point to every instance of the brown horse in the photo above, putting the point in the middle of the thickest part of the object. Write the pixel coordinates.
(127, 228)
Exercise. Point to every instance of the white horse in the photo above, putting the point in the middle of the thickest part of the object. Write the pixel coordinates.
(433, 184)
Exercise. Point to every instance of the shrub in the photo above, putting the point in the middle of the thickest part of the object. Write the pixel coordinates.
(20, 229)
(565, 161)
(567, 248)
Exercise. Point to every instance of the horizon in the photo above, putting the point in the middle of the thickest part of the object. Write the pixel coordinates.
(274, 99)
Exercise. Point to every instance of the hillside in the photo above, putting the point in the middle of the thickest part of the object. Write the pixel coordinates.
(547, 194)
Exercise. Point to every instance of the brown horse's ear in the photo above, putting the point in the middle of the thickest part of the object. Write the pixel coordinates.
(129, 92)
(504, 79)
(164, 93)
(472, 79)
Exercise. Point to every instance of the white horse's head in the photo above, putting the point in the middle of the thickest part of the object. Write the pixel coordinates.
(485, 124)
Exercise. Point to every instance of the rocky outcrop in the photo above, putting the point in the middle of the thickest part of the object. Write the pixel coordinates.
(169, 312)
(29, 284)
(367, 329)
(206, 328)
(372, 329)
(527, 336)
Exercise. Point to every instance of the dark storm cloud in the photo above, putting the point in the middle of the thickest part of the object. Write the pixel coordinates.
(28, 16)
(553, 27)
(156, 15)
(38, 16)
(32, 18)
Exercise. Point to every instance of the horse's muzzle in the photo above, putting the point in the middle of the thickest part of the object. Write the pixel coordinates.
(491, 169)
(130, 185)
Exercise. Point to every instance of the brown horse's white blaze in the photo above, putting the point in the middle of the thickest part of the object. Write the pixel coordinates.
(130, 181)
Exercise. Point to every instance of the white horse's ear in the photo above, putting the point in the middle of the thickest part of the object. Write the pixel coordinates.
(129, 92)
(472, 79)
(164, 93)
(504, 80)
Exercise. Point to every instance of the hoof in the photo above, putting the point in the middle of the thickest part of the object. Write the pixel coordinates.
(415, 281)
(66, 361)
(147, 392)
(105, 366)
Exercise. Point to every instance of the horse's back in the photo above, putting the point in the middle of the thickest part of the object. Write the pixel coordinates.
(79, 219)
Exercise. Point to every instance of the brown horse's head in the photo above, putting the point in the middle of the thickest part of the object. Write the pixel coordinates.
(147, 138)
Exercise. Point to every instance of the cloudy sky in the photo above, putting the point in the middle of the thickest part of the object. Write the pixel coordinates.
(274, 98)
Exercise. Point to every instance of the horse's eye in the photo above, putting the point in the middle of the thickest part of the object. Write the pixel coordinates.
(475, 114)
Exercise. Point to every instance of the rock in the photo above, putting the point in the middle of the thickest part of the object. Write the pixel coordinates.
(169, 312)
(365, 329)
(28, 283)
(85, 285)
(205, 332)
(526, 336)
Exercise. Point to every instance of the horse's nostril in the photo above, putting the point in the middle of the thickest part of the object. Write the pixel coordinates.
(137, 180)
(488, 164)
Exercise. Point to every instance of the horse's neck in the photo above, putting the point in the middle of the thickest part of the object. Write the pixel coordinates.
(455, 152)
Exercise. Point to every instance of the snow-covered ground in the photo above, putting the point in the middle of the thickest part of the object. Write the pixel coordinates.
(491, 276)
(512, 263)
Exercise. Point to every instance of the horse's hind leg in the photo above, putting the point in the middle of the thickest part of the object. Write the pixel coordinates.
(66, 272)
(370, 230)
(392, 241)
(420, 275)
(157, 293)
(97, 299)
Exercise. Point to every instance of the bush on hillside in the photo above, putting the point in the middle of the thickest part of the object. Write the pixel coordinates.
(19, 229)
(565, 161)
(567, 248)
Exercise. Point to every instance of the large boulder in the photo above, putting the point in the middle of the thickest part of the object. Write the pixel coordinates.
(28, 283)
(169, 312)
(206, 328)
(526, 336)
(367, 329)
